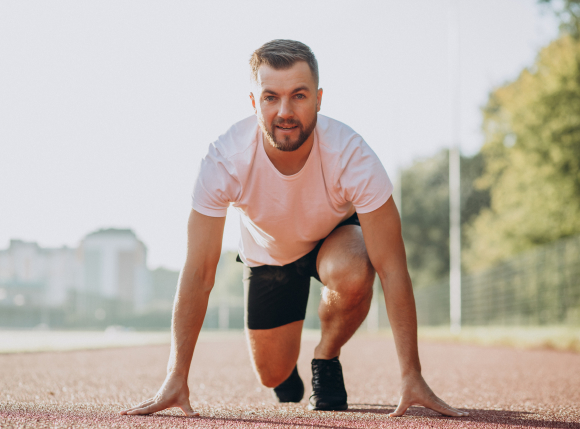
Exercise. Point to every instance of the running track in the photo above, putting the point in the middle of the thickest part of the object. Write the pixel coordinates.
(500, 387)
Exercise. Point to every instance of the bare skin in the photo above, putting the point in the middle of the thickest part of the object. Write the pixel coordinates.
(274, 352)
(285, 102)
(346, 271)
(286, 95)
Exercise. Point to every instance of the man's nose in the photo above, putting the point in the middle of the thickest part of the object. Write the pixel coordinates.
(285, 110)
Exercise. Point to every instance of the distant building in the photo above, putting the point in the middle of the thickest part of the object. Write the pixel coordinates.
(115, 267)
(35, 276)
(109, 264)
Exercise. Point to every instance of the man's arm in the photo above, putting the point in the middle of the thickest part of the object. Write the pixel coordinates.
(382, 234)
(204, 242)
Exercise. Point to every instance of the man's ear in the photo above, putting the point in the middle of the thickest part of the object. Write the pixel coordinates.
(253, 102)
(318, 99)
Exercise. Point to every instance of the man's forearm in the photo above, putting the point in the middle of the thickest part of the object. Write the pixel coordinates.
(402, 314)
(188, 313)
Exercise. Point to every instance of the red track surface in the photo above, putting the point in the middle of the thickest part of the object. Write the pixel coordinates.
(500, 387)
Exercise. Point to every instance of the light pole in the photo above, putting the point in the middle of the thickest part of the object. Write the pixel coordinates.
(454, 171)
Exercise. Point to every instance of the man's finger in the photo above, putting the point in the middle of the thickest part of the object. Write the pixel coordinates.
(141, 405)
(443, 408)
(401, 409)
(153, 408)
(145, 403)
(186, 408)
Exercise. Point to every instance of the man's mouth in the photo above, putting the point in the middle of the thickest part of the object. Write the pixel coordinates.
(286, 128)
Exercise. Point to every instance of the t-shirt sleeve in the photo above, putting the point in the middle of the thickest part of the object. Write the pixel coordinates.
(216, 185)
(363, 178)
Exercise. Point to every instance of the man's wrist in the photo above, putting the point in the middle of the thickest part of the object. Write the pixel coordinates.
(177, 377)
(411, 372)
(173, 372)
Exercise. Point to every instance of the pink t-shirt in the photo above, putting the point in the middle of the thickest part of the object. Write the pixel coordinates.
(284, 217)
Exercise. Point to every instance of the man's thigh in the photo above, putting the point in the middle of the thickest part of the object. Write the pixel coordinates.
(275, 296)
(275, 351)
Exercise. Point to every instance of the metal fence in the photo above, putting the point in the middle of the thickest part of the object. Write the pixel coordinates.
(539, 287)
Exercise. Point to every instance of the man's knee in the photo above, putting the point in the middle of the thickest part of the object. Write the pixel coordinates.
(351, 283)
(344, 265)
(272, 374)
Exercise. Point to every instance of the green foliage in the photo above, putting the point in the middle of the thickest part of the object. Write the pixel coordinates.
(568, 11)
(425, 213)
(537, 287)
(532, 159)
(164, 283)
(228, 279)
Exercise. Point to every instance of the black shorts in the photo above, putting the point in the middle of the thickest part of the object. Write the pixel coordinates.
(277, 295)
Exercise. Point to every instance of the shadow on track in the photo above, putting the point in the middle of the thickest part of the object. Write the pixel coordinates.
(314, 422)
(491, 417)
(514, 418)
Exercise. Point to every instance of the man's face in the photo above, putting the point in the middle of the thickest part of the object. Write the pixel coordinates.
(286, 103)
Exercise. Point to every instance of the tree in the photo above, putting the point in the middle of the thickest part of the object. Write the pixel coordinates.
(532, 159)
(568, 11)
(425, 213)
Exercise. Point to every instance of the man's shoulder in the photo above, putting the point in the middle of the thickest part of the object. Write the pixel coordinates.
(335, 136)
(238, 138)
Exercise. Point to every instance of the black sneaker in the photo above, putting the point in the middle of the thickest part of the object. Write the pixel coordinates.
(328, 392)
(291, 389)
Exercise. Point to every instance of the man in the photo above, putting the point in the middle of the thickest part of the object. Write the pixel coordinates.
(314, 201)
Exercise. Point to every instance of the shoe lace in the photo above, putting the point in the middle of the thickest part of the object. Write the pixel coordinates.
(327, 375)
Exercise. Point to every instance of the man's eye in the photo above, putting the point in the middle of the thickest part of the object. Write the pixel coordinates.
(269, 98)
(300, 96)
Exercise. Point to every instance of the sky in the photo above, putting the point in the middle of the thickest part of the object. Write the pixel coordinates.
(106, 108)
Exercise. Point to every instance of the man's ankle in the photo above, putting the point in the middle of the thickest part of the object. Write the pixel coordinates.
(320, 353)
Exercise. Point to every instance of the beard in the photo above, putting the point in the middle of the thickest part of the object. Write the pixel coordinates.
(287, 143)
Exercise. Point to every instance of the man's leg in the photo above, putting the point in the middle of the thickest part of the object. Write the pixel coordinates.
(347, 275)
(276, 299)
(275, 351)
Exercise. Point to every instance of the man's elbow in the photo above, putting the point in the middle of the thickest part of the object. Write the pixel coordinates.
(393, 276)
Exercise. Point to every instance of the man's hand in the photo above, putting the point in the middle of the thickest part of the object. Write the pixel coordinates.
(415, 391)
(204, 242)
(173, 393)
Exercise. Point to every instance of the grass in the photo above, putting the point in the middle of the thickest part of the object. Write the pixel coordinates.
(530, 337)
(565, 338)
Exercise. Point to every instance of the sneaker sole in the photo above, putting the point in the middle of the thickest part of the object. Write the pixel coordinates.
(335, 408)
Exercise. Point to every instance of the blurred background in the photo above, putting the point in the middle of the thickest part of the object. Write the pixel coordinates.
(106, 109)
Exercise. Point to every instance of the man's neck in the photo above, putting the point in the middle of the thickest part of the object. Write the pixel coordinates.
(289, 163)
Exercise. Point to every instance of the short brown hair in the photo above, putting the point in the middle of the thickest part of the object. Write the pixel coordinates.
(282, 54)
